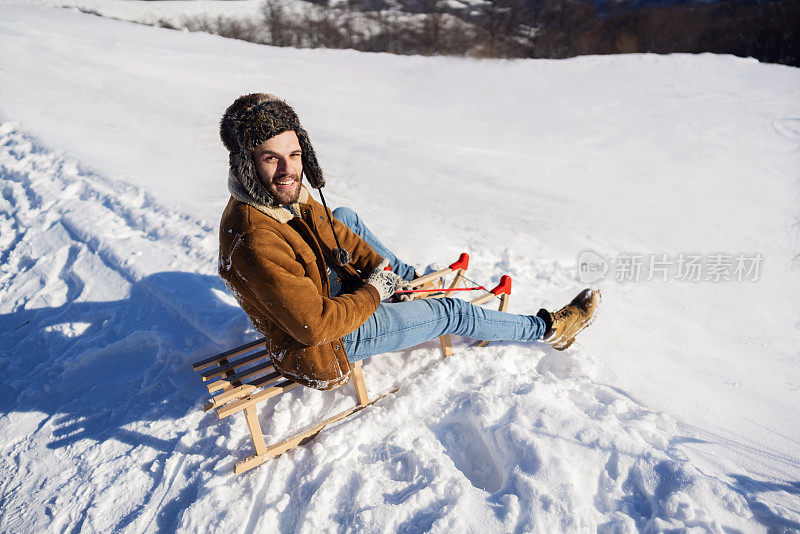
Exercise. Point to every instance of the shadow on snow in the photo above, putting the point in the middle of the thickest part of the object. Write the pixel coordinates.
(95, 368)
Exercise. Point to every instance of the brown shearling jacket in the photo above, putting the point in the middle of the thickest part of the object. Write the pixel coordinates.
(274, 264)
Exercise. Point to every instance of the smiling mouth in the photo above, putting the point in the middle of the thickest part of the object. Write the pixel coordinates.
(285, 183)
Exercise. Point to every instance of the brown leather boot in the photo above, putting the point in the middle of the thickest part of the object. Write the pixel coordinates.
(567, 322)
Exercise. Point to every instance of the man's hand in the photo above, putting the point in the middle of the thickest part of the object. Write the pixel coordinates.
(384, 281)
(402, 285)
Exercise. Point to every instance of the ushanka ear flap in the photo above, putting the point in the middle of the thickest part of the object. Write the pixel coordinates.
(244, 170)
(311, 167)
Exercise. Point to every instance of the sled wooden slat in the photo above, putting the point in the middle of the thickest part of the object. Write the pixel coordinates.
(459, 277)
(226, 367)
(242, 377)
(422, 280)
(233, 407)
(256, 382)
(202, 364)
(231, 394)
(232, 366)
(228, 394)
(483, 299)
(266, 379)
(428, 285)
(244, 389)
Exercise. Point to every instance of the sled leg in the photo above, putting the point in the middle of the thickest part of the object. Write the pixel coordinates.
(251, 416)
(456, 280)
(447, 345)
(359, 384)
(446, 341)
(504, 298)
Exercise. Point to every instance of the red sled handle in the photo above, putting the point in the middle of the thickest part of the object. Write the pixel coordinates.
(503, 287)
(462, 263)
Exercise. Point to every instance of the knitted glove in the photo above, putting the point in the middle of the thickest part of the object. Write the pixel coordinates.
(402, 285)
(383, 281)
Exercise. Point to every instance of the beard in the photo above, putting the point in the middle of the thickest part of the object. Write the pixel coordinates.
(283, 195)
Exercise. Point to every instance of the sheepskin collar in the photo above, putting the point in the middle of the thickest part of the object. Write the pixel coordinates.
(280, 213)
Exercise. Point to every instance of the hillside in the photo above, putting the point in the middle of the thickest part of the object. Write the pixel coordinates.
(677, 409)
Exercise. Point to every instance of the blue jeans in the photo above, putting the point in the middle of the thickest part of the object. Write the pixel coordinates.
(397, 326)
(357, 226)
(406, 324)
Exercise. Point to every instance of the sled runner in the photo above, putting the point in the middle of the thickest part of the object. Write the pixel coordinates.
(240, 378)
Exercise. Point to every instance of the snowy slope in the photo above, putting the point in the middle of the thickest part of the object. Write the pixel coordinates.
(676, 409)
(173, 12)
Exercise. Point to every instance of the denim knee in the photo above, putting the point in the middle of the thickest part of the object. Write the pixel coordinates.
(456, 311)
(345, 216)
(455, 305)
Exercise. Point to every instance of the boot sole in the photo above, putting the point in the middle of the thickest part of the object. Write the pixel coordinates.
(564, 346)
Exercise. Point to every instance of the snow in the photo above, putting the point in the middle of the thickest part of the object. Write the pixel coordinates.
(171, 11)
(675, 410)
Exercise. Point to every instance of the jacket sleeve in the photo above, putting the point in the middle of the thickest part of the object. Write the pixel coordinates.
(268, 269)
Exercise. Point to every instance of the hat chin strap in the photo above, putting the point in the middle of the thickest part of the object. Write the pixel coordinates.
(340, 255)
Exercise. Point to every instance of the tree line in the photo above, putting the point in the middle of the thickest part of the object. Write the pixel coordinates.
(766, 30)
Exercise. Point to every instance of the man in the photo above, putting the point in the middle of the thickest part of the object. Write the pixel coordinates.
(315, 285)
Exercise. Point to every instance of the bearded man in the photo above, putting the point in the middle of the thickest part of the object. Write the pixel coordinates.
(314, 283)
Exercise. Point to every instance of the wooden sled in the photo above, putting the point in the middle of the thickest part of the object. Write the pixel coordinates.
(240, 378)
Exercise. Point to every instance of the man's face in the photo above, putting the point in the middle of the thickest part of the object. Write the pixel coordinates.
(280, 166)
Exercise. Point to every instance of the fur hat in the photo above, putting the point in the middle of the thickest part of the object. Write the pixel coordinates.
(251, 120)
